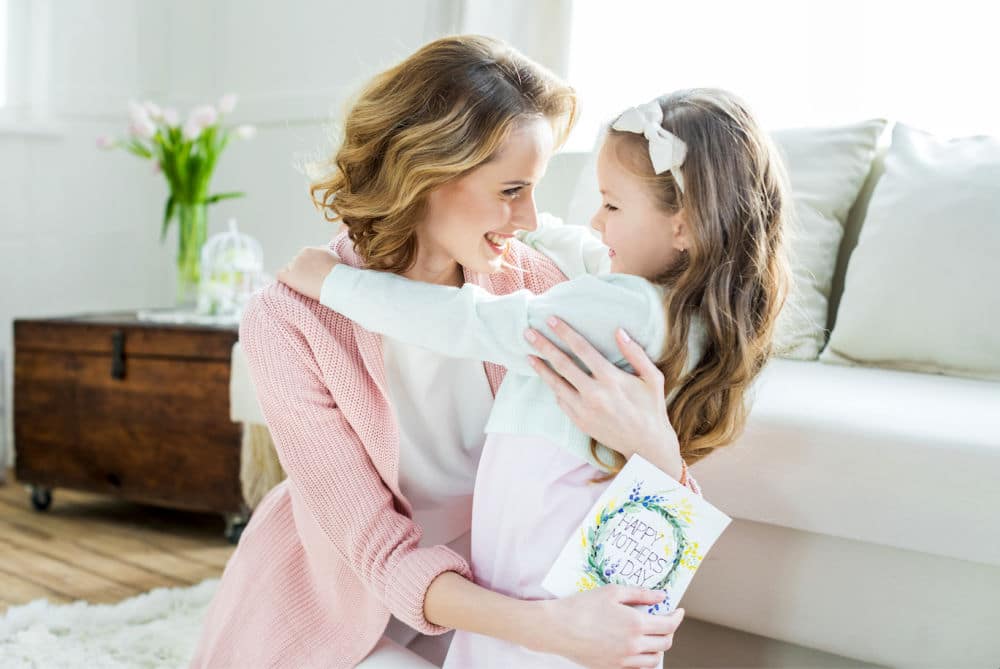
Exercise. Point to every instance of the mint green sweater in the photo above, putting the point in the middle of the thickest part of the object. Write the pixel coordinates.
(469, 322)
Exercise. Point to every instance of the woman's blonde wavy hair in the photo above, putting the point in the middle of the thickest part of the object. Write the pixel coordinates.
(435, 116)
(735, 273)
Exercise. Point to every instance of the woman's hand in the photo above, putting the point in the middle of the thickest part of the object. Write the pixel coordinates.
(599, 628)
(622, 411)
(308, 269)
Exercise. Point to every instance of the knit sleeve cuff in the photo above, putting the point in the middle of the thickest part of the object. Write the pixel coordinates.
(412, 576)
(688, 480)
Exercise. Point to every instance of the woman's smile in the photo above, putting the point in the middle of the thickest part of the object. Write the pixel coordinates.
(497, 242)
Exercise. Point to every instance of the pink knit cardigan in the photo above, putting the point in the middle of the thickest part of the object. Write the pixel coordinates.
(331, 551)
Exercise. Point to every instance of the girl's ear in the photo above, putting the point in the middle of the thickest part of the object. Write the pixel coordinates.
(682, 239)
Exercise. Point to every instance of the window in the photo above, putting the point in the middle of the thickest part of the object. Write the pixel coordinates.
(795, 63)
(25, 46)
(3, 53)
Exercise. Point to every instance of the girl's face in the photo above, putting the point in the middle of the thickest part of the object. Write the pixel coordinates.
(642, 238)
(471, 219)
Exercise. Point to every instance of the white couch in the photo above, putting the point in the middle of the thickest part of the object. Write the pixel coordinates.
(863, 499)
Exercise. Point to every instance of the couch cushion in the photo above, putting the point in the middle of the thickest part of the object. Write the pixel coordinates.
(896, 458)
(852, 228)
(826, 167)
(921, 289)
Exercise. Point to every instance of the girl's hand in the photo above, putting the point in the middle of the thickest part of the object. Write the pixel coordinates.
(599, 629)
(622, 411)
(308, 269)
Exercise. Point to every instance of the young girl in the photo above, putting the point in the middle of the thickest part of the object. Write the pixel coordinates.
(691, 262)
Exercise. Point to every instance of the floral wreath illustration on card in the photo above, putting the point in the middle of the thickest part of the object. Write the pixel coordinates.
(681, 553)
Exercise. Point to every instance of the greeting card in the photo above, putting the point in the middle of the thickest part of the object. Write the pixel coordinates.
(646, 530)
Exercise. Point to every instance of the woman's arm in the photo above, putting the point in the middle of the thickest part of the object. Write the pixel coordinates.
(626, 412)
(329, 466)
(573, 248)
(597, 628)
(471, 322)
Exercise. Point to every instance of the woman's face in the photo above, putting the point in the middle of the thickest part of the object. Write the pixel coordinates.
(642, 238)
(471, 219)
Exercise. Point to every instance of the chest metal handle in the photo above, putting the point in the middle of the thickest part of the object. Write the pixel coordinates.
(118, 354)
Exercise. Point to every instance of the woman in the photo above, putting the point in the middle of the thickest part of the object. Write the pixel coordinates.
(380, 441)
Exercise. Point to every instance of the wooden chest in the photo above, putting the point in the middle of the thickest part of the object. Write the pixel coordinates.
(138, 410)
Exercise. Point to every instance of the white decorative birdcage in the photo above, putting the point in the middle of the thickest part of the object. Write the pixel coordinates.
(231, 270)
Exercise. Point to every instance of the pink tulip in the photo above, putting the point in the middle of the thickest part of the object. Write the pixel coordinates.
(170, 117)
(191, 129)
(204, 116)
(137, 114)
(143, 127)
(228, 103)
(154, 112)
(105, 142)
(246, 132)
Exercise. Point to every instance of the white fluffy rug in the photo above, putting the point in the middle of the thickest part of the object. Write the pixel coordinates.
(157, 629)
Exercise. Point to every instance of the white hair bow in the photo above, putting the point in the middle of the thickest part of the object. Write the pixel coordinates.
(666, 149)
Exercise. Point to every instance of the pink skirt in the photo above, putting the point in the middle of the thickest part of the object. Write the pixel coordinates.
(529, 498)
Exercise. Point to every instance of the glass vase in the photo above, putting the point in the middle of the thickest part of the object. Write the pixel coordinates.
(192, 219)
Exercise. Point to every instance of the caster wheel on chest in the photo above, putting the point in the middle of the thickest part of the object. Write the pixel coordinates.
(235, 524)
(41, 498)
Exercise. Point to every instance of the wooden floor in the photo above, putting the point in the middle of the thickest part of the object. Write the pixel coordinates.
(100, 549)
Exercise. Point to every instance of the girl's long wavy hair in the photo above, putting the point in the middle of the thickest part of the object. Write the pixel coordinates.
(735, 274)
(440, 113)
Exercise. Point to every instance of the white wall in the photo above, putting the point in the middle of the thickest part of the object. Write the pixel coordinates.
(79, 227)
